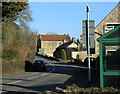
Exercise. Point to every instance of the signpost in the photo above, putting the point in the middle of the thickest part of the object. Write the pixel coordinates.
(88, 39)
(89, 68)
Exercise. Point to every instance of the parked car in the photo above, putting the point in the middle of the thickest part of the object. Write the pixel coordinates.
(39, 65)
(92, 61)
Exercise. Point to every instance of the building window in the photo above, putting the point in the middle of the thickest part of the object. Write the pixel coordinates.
(59, 43)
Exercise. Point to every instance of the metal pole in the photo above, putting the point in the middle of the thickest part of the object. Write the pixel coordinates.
(89, 68)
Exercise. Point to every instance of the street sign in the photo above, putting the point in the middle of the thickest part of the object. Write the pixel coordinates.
(109, 26)
(91, 35)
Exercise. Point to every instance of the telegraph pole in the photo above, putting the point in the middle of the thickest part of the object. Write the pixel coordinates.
(88, 45)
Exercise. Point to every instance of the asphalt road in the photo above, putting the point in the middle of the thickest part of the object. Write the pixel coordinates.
(57, 75)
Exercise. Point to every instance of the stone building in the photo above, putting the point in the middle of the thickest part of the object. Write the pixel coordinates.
(71, 50)
(47, 44)
(82, 52)
(112, 18)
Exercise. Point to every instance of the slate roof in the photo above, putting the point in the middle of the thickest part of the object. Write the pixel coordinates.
(65, 45)
(53, 37)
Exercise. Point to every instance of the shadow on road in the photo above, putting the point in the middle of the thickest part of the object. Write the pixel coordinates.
(79, 76)
(35, 89)
(15, 92)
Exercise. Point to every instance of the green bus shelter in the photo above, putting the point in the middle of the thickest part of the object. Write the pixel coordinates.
(109, 45)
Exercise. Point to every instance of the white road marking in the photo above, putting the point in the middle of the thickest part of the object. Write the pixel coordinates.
(2, 91)
(43, 74)
(15, 82)
(59, 82)
(32, 77)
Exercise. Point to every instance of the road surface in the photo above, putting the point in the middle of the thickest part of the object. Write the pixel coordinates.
(57, 75)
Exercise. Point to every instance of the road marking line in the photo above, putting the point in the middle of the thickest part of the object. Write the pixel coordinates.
(3, 92)
(32, 77)
(43, 74)
(15, 82)
(59, 82)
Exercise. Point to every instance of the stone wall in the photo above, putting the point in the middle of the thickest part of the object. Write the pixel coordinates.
(112, 17)
(82, 55)
(75, 55)
(50, 46)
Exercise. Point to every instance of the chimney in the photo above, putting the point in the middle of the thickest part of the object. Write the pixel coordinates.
(73, 39)
(81, 38)
(63, 41)
(79, 46)
(40, 37)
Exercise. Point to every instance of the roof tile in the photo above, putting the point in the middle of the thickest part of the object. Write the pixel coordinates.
(53, 37)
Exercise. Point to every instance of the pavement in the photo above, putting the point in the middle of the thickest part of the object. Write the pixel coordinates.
(58, 75)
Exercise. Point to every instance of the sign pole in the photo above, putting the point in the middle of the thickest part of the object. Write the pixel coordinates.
(89, 68)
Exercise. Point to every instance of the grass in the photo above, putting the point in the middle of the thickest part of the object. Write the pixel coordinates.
(11, 68)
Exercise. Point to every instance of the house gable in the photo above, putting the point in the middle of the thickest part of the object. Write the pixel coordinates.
(112, 17)
(72, 45)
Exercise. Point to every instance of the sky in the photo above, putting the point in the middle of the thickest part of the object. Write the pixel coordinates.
(66, 17)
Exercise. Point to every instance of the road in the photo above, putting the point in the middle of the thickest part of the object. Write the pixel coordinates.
(57, 75)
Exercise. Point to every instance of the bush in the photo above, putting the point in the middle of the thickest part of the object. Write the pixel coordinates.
(73, 89)
(30, 56)
(92, 90)
(11, 68)
(9, 54)
(63, 55)
(72, 60)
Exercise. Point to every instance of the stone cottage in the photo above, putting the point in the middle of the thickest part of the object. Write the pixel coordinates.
(47, 44)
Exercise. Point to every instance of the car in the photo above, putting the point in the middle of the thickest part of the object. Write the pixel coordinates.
(39, 65)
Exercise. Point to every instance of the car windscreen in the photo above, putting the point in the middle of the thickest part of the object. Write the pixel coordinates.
(40, 62)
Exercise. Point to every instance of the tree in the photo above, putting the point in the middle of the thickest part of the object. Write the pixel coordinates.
(63, 55)
(18, 41)
(17, 12)
(11, 10)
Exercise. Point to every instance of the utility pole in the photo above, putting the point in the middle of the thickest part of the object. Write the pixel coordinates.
(88, 45)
